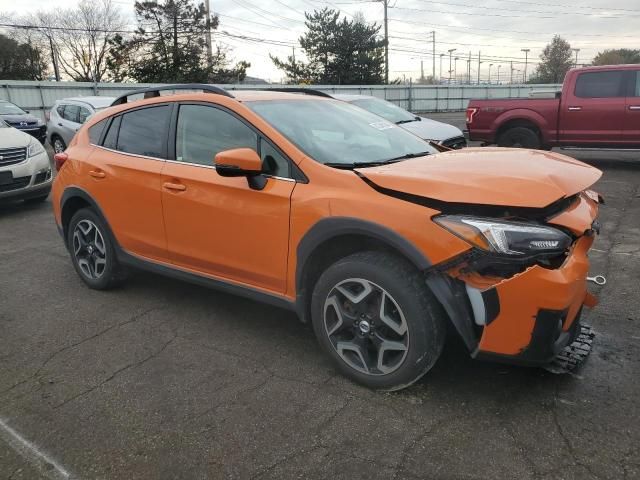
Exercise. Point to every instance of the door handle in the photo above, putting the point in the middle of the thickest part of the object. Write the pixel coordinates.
(174, 186)
(97, 174)
(574, 109)
(634, 107)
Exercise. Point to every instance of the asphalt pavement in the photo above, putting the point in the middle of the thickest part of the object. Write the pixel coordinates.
(167, 380)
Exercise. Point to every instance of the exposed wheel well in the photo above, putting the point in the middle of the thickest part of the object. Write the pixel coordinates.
(71, 206)
(518, 122)
(329, 252)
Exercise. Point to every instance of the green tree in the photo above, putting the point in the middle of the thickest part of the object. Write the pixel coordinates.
(21, 61)
(617, 56)
(555, 60)
(169, 46)
(338, 51)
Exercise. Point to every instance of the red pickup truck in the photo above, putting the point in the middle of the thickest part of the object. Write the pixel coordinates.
(598, 107)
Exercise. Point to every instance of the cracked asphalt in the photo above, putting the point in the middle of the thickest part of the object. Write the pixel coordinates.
(166, 380)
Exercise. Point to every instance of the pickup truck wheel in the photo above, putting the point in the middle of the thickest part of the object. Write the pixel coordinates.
(519, 137)
(375, 317)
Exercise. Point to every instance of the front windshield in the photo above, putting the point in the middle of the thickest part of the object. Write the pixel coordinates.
(335, 132)
(7, 108)
(385, 109)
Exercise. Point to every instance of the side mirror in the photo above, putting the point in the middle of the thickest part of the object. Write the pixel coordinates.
(418, 119)
(241, 162)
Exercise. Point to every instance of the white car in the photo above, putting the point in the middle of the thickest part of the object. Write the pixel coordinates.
(68, 115)
(25, 170)
(430, 130)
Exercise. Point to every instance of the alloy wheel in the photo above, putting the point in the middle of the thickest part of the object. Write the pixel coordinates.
(366, 327)
(89, 249)
(58, 146)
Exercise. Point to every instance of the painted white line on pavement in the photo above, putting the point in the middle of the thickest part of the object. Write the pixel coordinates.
(48, 467)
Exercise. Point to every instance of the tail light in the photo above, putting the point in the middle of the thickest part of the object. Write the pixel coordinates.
(59, 159)
(471, 113)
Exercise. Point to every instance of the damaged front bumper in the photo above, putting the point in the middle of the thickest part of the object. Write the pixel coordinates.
(531, 316)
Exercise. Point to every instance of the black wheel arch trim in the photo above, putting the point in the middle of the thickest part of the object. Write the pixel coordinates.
(332, 227)
(77, 192)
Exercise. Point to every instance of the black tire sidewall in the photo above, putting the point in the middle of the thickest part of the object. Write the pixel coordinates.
(529, 137)
(426, 329)
(107, 279)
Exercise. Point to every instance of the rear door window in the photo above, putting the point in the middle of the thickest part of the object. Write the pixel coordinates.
(83, 114)
(600, 84)
(636, 84)
(144, 131)
(95, 131)
(71, 113)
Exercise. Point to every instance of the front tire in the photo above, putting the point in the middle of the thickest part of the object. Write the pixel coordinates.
(520, 137)
(375, 317)
(58, 144)
(92, 251)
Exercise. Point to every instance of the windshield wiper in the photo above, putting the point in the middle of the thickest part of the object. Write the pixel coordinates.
(400, 122)
(349, 166)
(406, 156)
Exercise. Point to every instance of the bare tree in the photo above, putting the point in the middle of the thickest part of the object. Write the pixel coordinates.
(78, 38)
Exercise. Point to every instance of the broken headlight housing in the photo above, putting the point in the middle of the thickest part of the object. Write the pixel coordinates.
(507, 238)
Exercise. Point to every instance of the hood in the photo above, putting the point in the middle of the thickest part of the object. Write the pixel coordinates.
(487, 176)
(13, 138)
(27, 117)
(428, 129)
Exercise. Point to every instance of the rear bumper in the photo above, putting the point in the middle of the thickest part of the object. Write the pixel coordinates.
(530, 317)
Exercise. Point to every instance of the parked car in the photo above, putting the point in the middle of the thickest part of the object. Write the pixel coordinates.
(25, 170)
(427, 129)
(68, 115)
(21, 119)
(355, 224)
(598, 107)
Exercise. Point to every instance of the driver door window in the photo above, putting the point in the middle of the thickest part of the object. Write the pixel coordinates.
(203, 132)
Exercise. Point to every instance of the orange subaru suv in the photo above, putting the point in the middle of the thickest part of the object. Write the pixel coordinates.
(361, 228)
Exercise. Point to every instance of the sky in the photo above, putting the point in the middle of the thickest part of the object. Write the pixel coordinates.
(498, 29)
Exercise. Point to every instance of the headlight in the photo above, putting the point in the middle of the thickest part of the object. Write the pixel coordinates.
(35, 148)
(505, 237)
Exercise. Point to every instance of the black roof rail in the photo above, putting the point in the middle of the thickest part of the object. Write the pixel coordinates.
(307, 91)
(151, 92)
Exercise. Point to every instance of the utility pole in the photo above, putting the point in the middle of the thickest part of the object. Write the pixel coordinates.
(451, 50)
(455, 69)
(386, 42)
(54, 59)
(526, 57)
(469, 68)
(421, 71)
(511, 78)
(479, 63)
(498, 81)
(293, 57)
(208, 36)
(490, 65)
(433, 40)
(440, 77)
(576, 50)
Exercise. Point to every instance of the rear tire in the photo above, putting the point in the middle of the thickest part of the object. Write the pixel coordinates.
(374, 316)
(92, 251)
(519, 137)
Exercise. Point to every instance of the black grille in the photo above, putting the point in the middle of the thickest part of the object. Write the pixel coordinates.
(23, 124)
(19, 182)
(42, 176)
(10, 156)
(455, 142)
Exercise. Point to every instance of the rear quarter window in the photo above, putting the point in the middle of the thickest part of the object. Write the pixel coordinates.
(95, 131)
